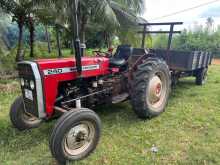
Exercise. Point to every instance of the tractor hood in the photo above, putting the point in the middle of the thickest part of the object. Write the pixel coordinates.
(91, 66)
(47, 74)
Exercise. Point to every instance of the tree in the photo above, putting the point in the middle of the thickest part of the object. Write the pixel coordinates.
(31, 30)
(47, 36)
(16, 9)
(4, 22)
(22, 13)
(113, 13)
(47, 18)
(209, 24)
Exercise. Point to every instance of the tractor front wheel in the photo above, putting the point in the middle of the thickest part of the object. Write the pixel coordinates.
(19, 118)
(75, 135)
(151, 88)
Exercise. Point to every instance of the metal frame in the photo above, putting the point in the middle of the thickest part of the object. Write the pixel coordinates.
(85, 96)
(171, 32)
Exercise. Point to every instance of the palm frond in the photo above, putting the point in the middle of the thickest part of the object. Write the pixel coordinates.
(103, 12)
(125, 17)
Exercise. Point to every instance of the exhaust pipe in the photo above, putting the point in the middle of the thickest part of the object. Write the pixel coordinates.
(78, 56)
(77, 44)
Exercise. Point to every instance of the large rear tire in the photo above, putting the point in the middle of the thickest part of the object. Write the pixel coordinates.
(151, 88)
(19, 118)
(75, 135)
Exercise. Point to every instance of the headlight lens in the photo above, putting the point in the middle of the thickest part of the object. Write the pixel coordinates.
(32, 84)
(22, 81)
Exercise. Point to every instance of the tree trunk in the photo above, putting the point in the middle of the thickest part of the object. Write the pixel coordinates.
(72, 46)
(82, 35)
(83, 23)
(58, 42)
(82, 40)
(48, 39)
(31, 30)
(107, 39)
(20, 53)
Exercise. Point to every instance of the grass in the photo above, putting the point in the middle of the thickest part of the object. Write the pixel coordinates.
(187, 133)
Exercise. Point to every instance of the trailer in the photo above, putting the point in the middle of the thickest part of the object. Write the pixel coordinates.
(181, 63)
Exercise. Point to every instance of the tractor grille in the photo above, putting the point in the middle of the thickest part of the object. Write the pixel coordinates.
(25, 70)
(28, 88)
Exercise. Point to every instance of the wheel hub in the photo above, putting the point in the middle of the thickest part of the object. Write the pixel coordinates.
(155, 89)
(158, 89)
(79, 138)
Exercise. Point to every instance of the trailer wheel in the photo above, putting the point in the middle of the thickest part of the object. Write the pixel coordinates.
(201, 76)
(151, 88)
(75, 135)
(19, 118)
(175, 80)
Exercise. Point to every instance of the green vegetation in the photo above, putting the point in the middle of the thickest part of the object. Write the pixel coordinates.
(8, 64)
(36, 21)
(202, 38)
(187, 133)
(116, 14)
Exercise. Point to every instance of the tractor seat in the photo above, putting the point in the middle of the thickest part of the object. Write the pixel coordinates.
(121, 56)
(117, 62)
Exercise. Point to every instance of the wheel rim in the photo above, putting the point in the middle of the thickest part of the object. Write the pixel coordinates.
(27, 118)
(157, 91)
(79, 138)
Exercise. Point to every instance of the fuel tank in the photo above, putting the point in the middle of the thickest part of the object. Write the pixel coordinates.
(65, 68)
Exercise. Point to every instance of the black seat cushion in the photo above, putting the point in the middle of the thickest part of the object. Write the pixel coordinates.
(123, 52)
(121, 56)
(117, 62)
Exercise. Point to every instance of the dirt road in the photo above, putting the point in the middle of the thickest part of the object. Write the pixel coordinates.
(216, 61)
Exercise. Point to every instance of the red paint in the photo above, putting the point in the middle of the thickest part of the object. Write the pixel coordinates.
(115, 70)
(51, 81)
(158, 88)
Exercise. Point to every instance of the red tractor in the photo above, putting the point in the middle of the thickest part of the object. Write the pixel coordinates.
(68, 87)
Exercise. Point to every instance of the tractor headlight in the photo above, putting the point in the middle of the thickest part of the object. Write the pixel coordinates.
(22, 81)
(32, 84)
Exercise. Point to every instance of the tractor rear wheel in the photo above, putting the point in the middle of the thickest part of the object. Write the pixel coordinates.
(151, 88)
(19, 118)
(201, 76)
(75, 135)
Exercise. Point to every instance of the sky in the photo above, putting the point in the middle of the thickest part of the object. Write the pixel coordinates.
(158, 8)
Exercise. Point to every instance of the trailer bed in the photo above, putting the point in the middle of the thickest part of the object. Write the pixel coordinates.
(184, 60)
